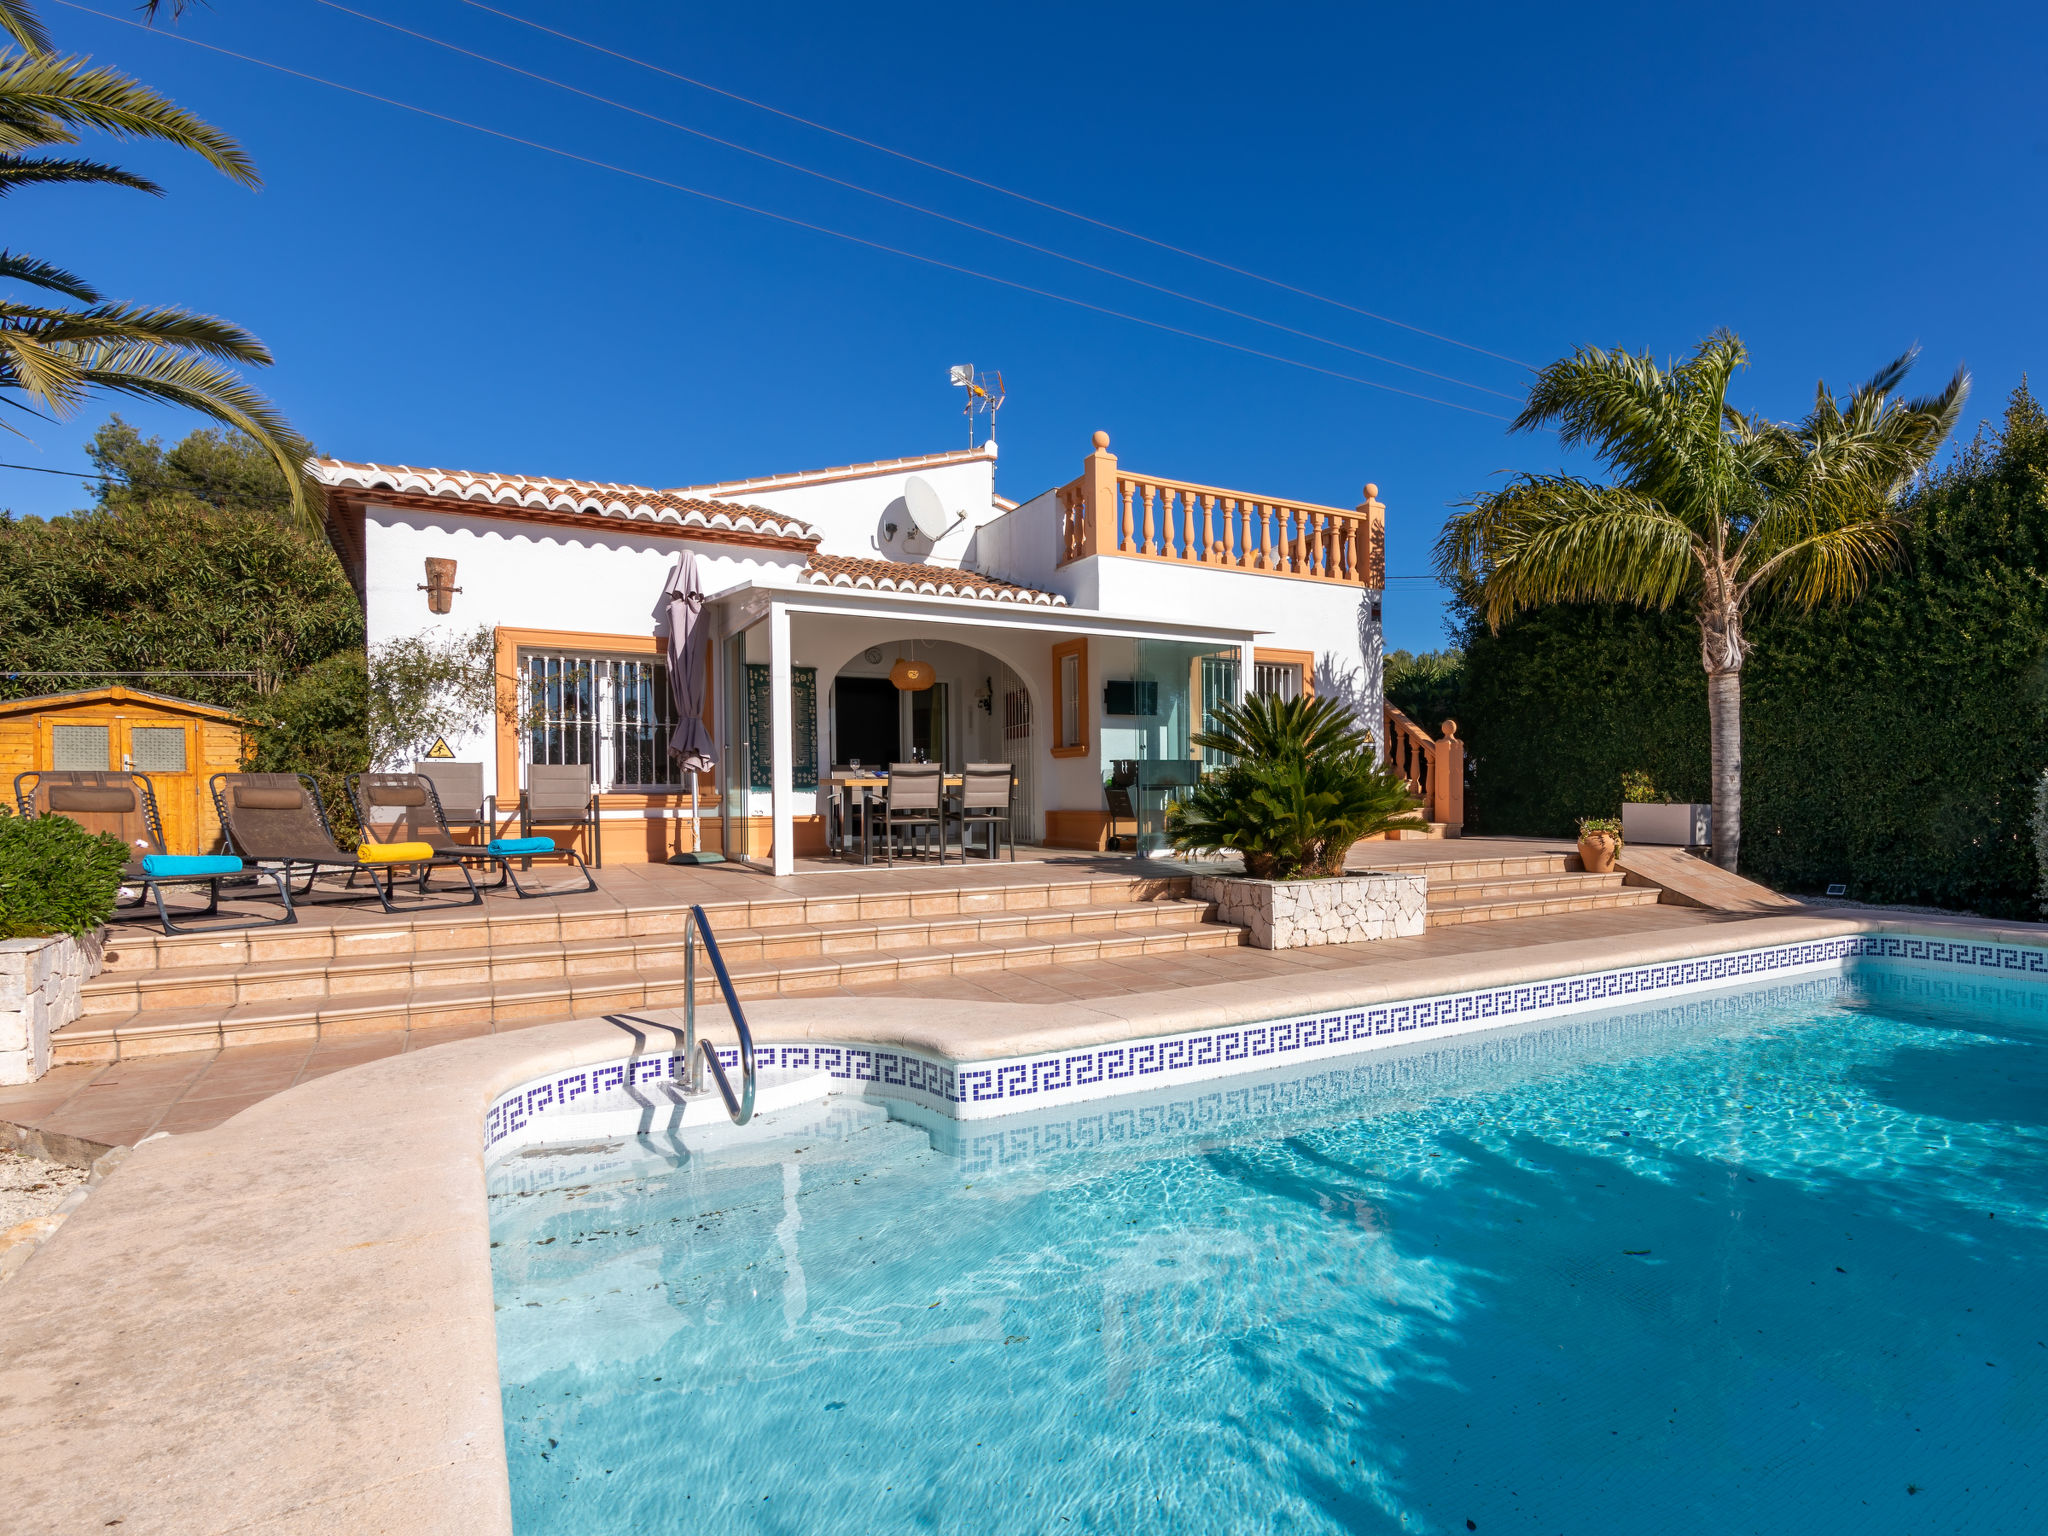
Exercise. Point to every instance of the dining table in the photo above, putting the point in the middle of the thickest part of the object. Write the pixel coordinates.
(841, 785)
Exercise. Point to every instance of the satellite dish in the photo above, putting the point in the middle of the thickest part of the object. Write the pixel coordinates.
(927, 512)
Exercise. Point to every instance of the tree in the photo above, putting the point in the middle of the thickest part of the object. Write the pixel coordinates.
(1709, 507)
(54, 355)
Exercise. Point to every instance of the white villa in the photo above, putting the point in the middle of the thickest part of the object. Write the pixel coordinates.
(1089, 626)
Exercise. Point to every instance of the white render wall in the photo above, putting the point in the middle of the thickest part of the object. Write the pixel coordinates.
(849, 513)
(533, 576)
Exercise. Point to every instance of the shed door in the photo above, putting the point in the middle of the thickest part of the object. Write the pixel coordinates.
(167, 751)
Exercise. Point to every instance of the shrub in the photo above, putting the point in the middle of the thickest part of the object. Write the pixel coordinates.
(2040, 823)
(55, 877)
(1303, 788)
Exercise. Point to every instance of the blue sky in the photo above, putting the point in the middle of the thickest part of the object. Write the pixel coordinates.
(1836, 183)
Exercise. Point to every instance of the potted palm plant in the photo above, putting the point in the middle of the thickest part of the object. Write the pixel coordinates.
(1302, 786)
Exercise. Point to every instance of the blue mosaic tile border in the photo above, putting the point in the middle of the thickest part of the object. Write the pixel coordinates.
(1006, 1087)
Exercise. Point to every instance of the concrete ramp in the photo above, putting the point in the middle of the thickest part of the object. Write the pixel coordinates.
(1688, 881)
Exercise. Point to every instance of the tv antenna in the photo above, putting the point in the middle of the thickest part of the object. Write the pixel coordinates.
(984, 396)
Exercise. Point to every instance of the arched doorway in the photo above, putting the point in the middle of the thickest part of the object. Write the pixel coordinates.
(978, 711)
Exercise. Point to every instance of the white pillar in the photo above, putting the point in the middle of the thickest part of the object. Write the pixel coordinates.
(1244, 673)
(782, 757)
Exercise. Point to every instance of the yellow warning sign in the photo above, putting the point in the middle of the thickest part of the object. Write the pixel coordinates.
(439, 748)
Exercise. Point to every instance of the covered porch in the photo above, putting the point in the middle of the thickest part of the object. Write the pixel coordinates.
(1007, 675)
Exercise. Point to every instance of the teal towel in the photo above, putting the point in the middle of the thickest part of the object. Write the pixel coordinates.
(514, 846)
(163, 865)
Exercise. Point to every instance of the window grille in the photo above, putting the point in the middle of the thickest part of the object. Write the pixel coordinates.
(1070, 701)
(1219, 687)
(1281, 679)
(614, 713)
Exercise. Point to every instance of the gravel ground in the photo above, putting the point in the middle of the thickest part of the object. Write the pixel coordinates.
(1879, 906)
(31, 1187)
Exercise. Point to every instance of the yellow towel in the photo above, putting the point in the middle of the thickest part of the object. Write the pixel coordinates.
(394, 853)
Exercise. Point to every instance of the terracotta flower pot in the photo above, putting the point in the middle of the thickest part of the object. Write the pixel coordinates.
(1597, 851)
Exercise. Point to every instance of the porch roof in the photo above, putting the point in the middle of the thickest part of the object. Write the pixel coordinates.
(931, 580)
(749, 601)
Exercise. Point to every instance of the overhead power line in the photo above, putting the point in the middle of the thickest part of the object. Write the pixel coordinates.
(1022, 197)
(854, 186)
(877, 245)
(37, 469)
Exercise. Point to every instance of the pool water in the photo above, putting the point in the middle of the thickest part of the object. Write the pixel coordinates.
(1775, 1261)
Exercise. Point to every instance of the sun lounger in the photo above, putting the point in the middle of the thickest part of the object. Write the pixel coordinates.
(406, 807)
(125, 805)
(279, 819)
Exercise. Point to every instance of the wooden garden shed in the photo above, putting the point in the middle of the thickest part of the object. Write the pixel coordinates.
(179, 744)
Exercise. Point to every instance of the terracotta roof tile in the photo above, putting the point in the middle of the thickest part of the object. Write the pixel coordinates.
(924, 580)
(590, 498)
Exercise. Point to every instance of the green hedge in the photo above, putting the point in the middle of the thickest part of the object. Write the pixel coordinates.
(1891, 745)
(55, 877)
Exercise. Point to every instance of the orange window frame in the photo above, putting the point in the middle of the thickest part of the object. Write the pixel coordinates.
(1079, 649)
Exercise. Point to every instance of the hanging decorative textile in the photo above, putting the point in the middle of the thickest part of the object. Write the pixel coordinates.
(913, 676)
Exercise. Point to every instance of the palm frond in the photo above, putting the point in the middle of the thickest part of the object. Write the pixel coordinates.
(46, 100)
(156, 325)
(1832, 565)
(21, 23)
(1557, 538)
(19, 268)
(1836, 484)
(151, 372)
(20, 171)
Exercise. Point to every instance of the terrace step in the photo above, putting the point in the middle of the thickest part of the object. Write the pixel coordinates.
(569, 919)
(531, 984)
(229, 985)
(1444, 893)
(1487, 909)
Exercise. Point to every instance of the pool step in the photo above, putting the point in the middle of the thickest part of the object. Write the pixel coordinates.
(182, 1008)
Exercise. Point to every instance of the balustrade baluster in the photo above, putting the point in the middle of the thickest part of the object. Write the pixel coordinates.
(1211, 545)
(1126, 489)
(1145, 543)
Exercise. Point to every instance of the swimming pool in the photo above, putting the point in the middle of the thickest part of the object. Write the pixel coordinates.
(1765, 1260)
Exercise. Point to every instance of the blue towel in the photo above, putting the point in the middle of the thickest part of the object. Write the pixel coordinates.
(163, 865)
(513, 846)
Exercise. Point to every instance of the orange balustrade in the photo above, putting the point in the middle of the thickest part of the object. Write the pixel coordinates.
(1146, 517)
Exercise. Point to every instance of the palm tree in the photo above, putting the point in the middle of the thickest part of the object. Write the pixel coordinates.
(1709, 507)
(56, 354)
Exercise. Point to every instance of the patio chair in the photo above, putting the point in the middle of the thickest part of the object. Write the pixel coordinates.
(988, 794)
(406, 808)
(125, 805)
(913, 802)
(459, 790)
(1117, 794)
(561, 795)
(279, 819)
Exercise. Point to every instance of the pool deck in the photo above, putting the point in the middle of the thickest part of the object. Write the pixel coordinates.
(283, 1322)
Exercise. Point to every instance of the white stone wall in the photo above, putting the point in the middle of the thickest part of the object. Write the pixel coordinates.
(1291, 914)
(40, 986)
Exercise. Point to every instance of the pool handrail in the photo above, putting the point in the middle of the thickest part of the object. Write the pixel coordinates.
(741, 1109)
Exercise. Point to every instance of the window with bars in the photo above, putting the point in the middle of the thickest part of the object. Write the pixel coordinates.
(1281, 679)
(614, 713)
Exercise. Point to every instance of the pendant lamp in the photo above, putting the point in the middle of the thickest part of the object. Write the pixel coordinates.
(913, 676)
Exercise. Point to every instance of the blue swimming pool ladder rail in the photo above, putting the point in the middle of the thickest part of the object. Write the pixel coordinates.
(697, 1052)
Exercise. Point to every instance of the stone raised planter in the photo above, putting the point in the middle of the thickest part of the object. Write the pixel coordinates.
(1676, 826)
(1291, 914)
(41, 981)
